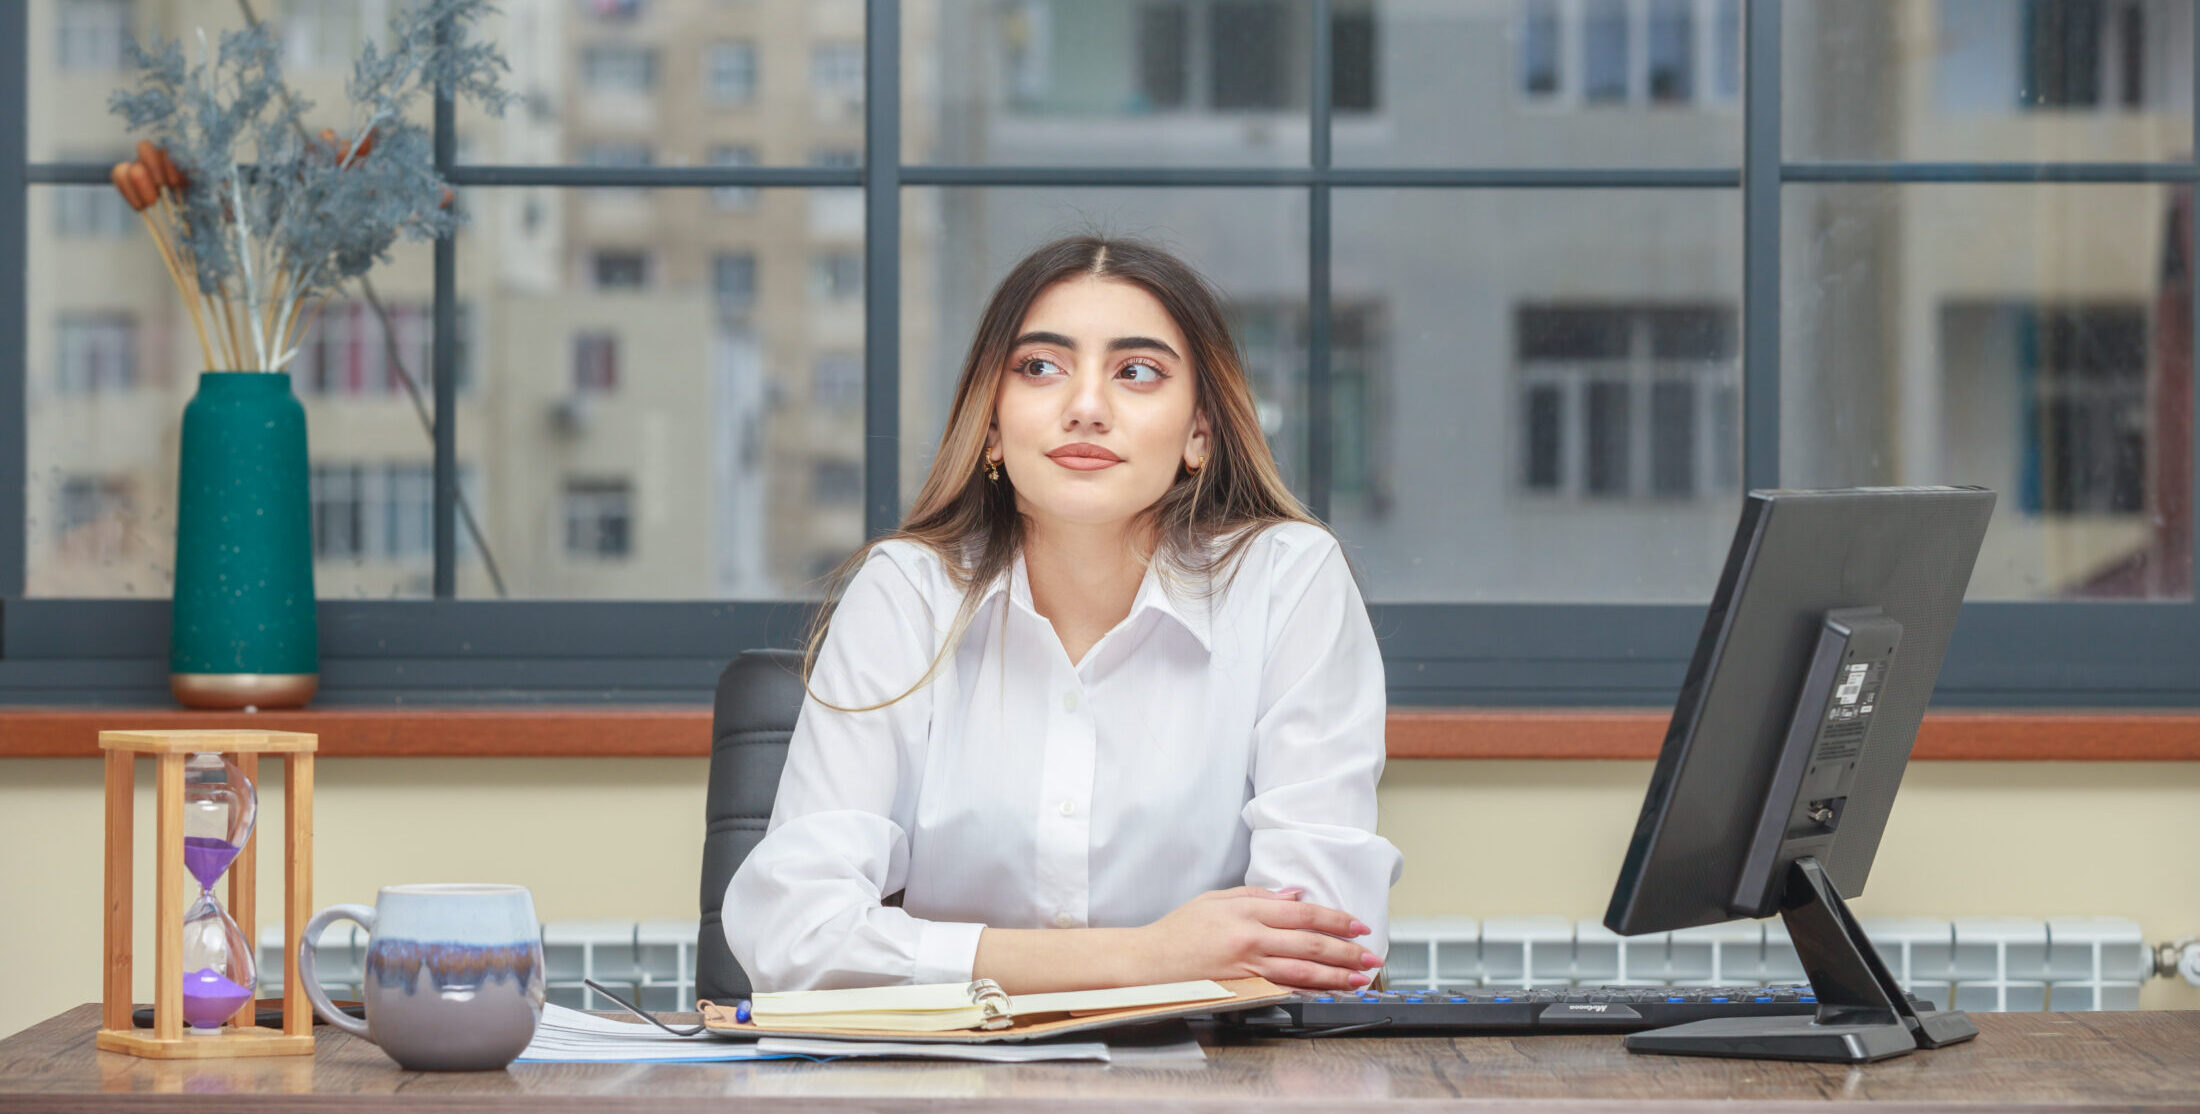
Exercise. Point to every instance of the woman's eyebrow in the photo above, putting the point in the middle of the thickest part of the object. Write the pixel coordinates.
(1119, 344)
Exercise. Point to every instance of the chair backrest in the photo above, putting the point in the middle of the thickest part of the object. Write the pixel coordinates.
(759, 696)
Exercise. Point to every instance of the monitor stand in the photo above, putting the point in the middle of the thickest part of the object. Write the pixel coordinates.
(1862, 1012)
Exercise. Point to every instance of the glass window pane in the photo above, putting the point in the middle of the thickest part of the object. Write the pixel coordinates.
(1135, 82)
(1995, 80)
(673, 434)
(2030, 339)
(113, 357)
(1573, 83)
(78, 58)
(682, 82)
(957, 244)
(1560, 371)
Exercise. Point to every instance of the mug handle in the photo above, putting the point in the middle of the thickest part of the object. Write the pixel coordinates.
(309, 974)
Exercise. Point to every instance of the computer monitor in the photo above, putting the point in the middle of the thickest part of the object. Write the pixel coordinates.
(1787, 743)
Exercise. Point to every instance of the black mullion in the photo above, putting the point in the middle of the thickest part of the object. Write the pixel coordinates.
(649, 176)
(14, 310)
(1964, 173)
(444, 354)
(881, 267)
(1761, 172)
(2192, 358)
(1320, 416)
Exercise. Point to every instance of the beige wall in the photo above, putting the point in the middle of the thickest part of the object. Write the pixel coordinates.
(621, 838)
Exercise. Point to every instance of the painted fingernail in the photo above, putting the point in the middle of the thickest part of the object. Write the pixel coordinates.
(1294, 893)
(1360, 978)
(1370, 959)
(1359, 929)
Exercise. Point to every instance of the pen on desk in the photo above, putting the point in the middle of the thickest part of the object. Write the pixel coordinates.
(741, 1012)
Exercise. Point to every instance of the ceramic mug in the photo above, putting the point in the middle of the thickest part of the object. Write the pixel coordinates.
(453, 978)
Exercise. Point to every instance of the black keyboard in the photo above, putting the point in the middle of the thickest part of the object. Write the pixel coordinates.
(1605, 1009)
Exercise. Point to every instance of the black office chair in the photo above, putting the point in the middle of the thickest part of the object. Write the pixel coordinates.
(759, 696)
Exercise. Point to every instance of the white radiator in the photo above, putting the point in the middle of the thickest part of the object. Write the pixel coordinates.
(1979, 963)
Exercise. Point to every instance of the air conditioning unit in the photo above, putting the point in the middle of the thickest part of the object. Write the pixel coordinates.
(569, 415)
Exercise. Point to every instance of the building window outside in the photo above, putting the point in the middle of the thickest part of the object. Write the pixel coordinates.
(836, 382)
(614, 11)
(598, 519)
(346, 350)
(2085, 414)
(92, 522)
(836, 483)
(619, 68)
(733, 198)
(95, 352)
(595, 362)
(732, 73)
(94, 34)
(733, 282)
(837, 276)
(836, 79)
(618, 269)
(1273, 338)
(1629, 52)
(369, 511)
(1620, 402)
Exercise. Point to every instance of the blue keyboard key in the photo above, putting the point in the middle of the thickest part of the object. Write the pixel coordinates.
(1369, 998)
(1676, 999)
(1722, 999)
(1416, 999)
(1325, 998)
(1764, 999)
(1502, 999)
(1457, 999)
(1806, 998)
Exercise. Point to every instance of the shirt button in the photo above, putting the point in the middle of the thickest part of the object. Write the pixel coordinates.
(1069, 701)
(1064, 920)
(1069, 808)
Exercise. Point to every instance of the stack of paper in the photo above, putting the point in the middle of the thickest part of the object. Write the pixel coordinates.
(566, 1036)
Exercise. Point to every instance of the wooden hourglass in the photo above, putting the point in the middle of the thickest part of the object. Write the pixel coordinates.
(203, 757)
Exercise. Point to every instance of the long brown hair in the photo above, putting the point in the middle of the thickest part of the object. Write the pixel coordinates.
(973, 523)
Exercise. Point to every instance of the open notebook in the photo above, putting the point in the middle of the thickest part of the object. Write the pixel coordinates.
(979, 1011)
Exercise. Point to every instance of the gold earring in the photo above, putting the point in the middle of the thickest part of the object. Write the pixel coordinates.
(992, 470)
(1195, 469)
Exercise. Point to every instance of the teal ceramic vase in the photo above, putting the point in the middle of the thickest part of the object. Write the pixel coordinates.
(244, 633)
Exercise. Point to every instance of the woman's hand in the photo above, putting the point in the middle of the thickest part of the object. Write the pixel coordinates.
(1229, 934)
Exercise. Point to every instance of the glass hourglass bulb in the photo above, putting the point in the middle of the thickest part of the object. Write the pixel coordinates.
(219, 806)
(218, 972)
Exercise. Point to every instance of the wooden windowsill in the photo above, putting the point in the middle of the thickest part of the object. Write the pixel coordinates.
(682, 731)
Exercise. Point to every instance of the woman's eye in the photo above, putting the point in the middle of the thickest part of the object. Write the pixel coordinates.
(1143, 373)
(1038, 366)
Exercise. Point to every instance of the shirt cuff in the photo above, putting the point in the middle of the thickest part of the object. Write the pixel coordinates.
(946, 951)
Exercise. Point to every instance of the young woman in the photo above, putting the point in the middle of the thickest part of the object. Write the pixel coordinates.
(1107, 709)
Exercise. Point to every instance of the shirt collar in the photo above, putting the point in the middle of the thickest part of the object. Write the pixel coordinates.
(1153, 595)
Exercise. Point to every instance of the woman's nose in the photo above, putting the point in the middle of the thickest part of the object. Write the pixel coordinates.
(1088, 401)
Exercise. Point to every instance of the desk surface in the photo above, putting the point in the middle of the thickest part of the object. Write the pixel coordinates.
(2061, 1061)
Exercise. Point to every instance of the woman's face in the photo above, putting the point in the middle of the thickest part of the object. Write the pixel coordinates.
(1095, 411)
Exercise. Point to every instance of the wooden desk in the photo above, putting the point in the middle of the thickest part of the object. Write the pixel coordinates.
(2058, 1061)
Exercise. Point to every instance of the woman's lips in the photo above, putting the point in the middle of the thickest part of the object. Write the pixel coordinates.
(1084, 456)
(1085, 463)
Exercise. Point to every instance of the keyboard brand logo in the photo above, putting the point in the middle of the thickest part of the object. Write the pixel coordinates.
(1579, 1008)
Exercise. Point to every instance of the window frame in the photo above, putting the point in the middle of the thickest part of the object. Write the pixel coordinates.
(447, 650)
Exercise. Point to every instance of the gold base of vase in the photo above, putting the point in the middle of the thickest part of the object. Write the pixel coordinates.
(244, 690)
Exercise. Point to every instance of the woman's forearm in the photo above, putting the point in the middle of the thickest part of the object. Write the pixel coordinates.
(1044, 960)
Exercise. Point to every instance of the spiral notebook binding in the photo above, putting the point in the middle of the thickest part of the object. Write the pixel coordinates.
(988, 996)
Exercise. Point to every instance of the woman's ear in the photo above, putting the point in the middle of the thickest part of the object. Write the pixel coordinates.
(1197, 446)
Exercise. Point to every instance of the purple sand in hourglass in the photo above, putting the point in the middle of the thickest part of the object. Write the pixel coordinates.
(209, 998)
(206, 857)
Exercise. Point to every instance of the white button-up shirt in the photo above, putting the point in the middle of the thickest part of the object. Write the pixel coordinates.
(1203, 743)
